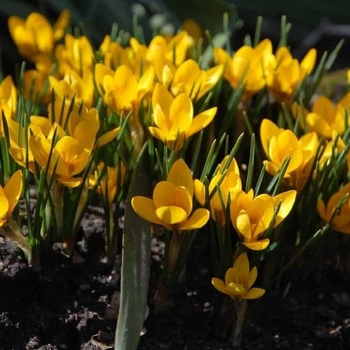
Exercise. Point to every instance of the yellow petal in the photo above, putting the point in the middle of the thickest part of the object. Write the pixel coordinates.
(219, 285)
(242, 266)
(181, 113)
(243, 226)
(145, 208)
(13, 190)
(180, 175)
(171, 215)
(201, 121)
(287, 200)
(108, 136)
(4, 209)
(252, 277)
(254, 293)
(162, 97)
(167, 194)
(199, 191)
(268, 129)
(197, 220)
(257, 245)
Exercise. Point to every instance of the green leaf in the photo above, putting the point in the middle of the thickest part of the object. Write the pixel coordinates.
(136, 258)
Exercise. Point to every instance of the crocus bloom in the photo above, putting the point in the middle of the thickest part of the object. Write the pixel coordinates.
(67, 157)
(108, 186)
(326, 117)
(172, 202)
(239, 280)
(251, 216)
(288, 73)
(174, 118)
(76, 54)
(9, 196)
(229, 182)
(248, 66)
(193, 81)
(278, 144)
(35, 35)
(341, 221)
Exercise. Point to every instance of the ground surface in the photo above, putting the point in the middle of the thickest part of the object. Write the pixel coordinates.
(73, 305)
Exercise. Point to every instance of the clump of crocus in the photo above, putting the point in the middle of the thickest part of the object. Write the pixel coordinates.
(252, 216)
(174, 118)
(280, 144)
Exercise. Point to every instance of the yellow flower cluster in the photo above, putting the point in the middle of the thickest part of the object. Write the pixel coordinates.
(258, 67)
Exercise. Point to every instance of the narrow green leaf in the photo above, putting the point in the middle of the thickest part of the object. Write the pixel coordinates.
(135, 262)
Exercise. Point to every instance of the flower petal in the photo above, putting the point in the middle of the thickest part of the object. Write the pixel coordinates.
(254, 293)
(197, 220)
(171, 215)
(145, 208)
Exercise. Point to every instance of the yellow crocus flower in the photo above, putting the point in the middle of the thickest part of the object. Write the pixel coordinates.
(239, 280)
(193, 81)
(248, 66)
(230, 181)
(75, 54)
(172, 202)
(341, 221)
(326, 117)
(9, 196)
(108, 186)
(174, 118)
(278, 144)
(288, 73)
(68, 157)
(73, 85)
(251, 216)
(35, 36)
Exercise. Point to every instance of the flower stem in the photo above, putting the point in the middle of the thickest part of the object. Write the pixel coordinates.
(241, 310)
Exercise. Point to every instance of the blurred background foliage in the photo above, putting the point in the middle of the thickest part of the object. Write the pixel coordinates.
(320, 24)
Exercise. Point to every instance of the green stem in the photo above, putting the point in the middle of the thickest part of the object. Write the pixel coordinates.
(241, 310)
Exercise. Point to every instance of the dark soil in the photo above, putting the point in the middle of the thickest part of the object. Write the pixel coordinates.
(73, 304)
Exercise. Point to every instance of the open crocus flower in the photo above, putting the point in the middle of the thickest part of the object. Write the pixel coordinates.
(228, 181)
(341, 221)
(174, 118)
(289, 73)
(193, 81)
(9, 196)
(172, 202)
(239, 280)
(35, 35)
(251, 216)
(248, 66)
(278, 144)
